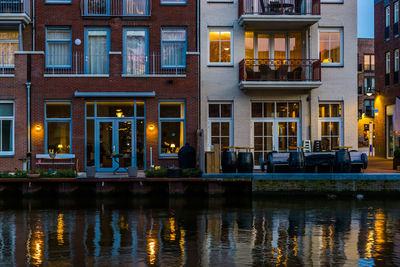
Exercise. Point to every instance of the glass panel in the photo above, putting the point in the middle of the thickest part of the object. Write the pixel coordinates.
(215, 141)
(292, 143)
(173, 35)
(171, 137)
(268, 129)
(224, 142)
(323, 110)
(139, 109)
(295, 43)
(249, 45)
(268, 143)
(292, 127)
(225, 129)
(58, 137)
(90, 143)
(125, 143)
(225, 51)
(258, 129)
(283, 143)
(326, 143)
(336, 110)
(215, 129)
(9, 35)
(58, 110)
(6, 109)
(58, 34)
(263, 46)
(282, 128)
(171, 110)
(106, 144)
(115, 109)
(269, 110)
(213, 110)
(226, 110)
(136, 7)
(325, 129)
(136, 60)
(280, 47)
(258, 143)
(140, 144)
(173, 54)
(257, 156)
(335, 142)
(89, 109)
(281, 110)
(58, 54)
(293, 110)
(97, 52)
(256, 110)
(6, 135)
(324, 52)
(335, 128)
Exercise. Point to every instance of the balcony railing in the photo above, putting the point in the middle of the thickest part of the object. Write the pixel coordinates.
(279, 7)
(14, 7)
(154, 64)
(108, 8)
(78, 64)
(279, 70)
(7, 64)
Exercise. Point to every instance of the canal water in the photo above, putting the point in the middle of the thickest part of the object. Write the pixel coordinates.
(200, 232)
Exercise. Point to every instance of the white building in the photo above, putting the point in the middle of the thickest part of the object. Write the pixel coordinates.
(275, 73)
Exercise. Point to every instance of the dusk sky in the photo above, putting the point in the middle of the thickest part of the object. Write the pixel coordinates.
(365, 18)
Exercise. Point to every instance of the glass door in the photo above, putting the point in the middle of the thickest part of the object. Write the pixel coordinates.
(114, 138)
(96, 58)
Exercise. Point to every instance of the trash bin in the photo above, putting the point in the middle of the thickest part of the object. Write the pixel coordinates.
(245, 162)
(228, 161)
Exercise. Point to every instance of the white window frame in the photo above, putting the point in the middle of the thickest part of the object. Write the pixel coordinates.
(219, 29)
(12, 118)
(219, 119)
(387, 16)
(332, 1)
(332, 119)
(340, 30)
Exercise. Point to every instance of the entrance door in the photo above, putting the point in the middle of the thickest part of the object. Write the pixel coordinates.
(114, 137)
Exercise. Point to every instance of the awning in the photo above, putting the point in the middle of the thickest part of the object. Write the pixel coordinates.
(115, 94)
(396, 118)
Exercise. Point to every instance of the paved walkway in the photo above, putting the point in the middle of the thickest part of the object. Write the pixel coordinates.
(380, 165)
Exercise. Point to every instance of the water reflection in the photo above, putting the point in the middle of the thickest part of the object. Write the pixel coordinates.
(217, 232)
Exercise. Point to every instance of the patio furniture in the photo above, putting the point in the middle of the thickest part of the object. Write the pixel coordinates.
(266, 73)
(280, 8)
(277, 160)
(314, 161)
(296, 74)
(58, 160)
(282, 73)
(358, 161)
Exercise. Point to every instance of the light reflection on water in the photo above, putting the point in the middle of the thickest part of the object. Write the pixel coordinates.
(215, 232)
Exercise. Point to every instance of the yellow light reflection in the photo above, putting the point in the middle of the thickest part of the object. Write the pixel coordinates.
(172, 235)
(152, 245)
(182, 246)
(35, 247)
(151, 250)
(123, 225)
(295, 246)
(60, 229)
(379, 230)
(369, 245)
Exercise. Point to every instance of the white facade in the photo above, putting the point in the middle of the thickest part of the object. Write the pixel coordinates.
(338, 85)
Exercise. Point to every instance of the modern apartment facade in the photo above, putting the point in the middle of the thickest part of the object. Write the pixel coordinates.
(275, 73)
(387, 45)
(113, 78)
(366, 90)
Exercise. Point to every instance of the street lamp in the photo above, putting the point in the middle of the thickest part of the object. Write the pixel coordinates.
(369, 92)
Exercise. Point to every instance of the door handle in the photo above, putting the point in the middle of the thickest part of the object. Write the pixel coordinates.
(113, 148)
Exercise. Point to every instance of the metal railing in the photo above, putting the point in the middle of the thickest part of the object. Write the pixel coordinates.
(15, 6)
(78, 63)
(279, 7)
(6, 64)
(99, 8)
(280, 70)
(155, 64)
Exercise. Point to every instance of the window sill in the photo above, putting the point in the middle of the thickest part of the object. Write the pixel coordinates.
(332, 65)
(78, 75)
(153, 75)
(168, 156)
(7, 155)
(174, 4)
(220, 65)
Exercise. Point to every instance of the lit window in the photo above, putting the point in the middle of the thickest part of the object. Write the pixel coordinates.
(59, 45)
(9, 43)
(220, 47)
(331, 125)
(172, 118)
(369, 62)
(135, 51)
(58, 127)
(220, 125)
(331, 47)
(6, 128)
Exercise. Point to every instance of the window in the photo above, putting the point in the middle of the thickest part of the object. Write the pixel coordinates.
(173, 45)
(396, 67)
(331, 47)
(387, 22)
(97, 47)
(136, 8)
(58, 127)
(369, 108)
(387, 68)
(369, 85)
(173, 2)
(220, 47)
(172, 118)
(396, 19)
(136, 51)
(9, 43)
(331, 125)
(58, 47)
(220, 125)
(6, 128)
(369, 63)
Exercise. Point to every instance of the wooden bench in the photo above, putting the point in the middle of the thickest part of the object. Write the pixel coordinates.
(59, 160)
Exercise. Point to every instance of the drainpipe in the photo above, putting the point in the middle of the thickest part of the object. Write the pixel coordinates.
(33, 26)
(28, 115)
(309, 95)
(199, 132)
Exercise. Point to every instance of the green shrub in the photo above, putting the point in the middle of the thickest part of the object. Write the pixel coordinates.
(194, 172)
(58, 174)
(156, 172)
(20, 174)
(5, 175)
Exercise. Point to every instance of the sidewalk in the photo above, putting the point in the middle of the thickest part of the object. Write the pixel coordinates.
(380, 165)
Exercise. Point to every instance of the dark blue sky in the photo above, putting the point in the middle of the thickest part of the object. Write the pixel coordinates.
(365, 17)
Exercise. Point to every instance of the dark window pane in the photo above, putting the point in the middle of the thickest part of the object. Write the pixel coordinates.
(6, 135)
(171, 110)
(226, 110)
(268, 128)
(90, 143)
(258, 130)
(213, 110)
(171, 137)
(292, 129)
(215, 128)
(224, 142)
(58, 137)
(324, 110)
(268, 143)
(281, 110)
(336, 110)
(6, 109)
(283, 144)
(269, 110)
(115, 109)
(139, 109)
(89, 109)
(293, 110)
(58, 110)
(258, 143)
(224, 128)
(140, 144)
(256, 110)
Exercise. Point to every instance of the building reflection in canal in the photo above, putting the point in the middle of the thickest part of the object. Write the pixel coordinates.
(209, 233)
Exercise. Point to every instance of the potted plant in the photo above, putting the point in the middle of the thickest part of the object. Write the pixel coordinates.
(33, 174)
(396, 158)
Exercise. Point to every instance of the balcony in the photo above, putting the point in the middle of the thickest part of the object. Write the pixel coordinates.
(129, 9)
(282, 74)
(15, 10)
(279, 14)
(7, 65)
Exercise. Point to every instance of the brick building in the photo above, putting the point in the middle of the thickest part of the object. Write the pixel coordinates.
(387, 45)
(366, 89)
(112, 79)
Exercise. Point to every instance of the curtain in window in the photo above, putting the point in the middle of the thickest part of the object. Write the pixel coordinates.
(9, 43)
(173, 48)
(96, 58)
(58, 47)
(136, 7)
(136, 61)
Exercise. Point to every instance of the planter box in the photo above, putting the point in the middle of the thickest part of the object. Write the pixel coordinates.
(33, 175)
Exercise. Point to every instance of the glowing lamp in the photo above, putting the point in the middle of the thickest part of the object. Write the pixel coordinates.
(38, 127)
(151, 127)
